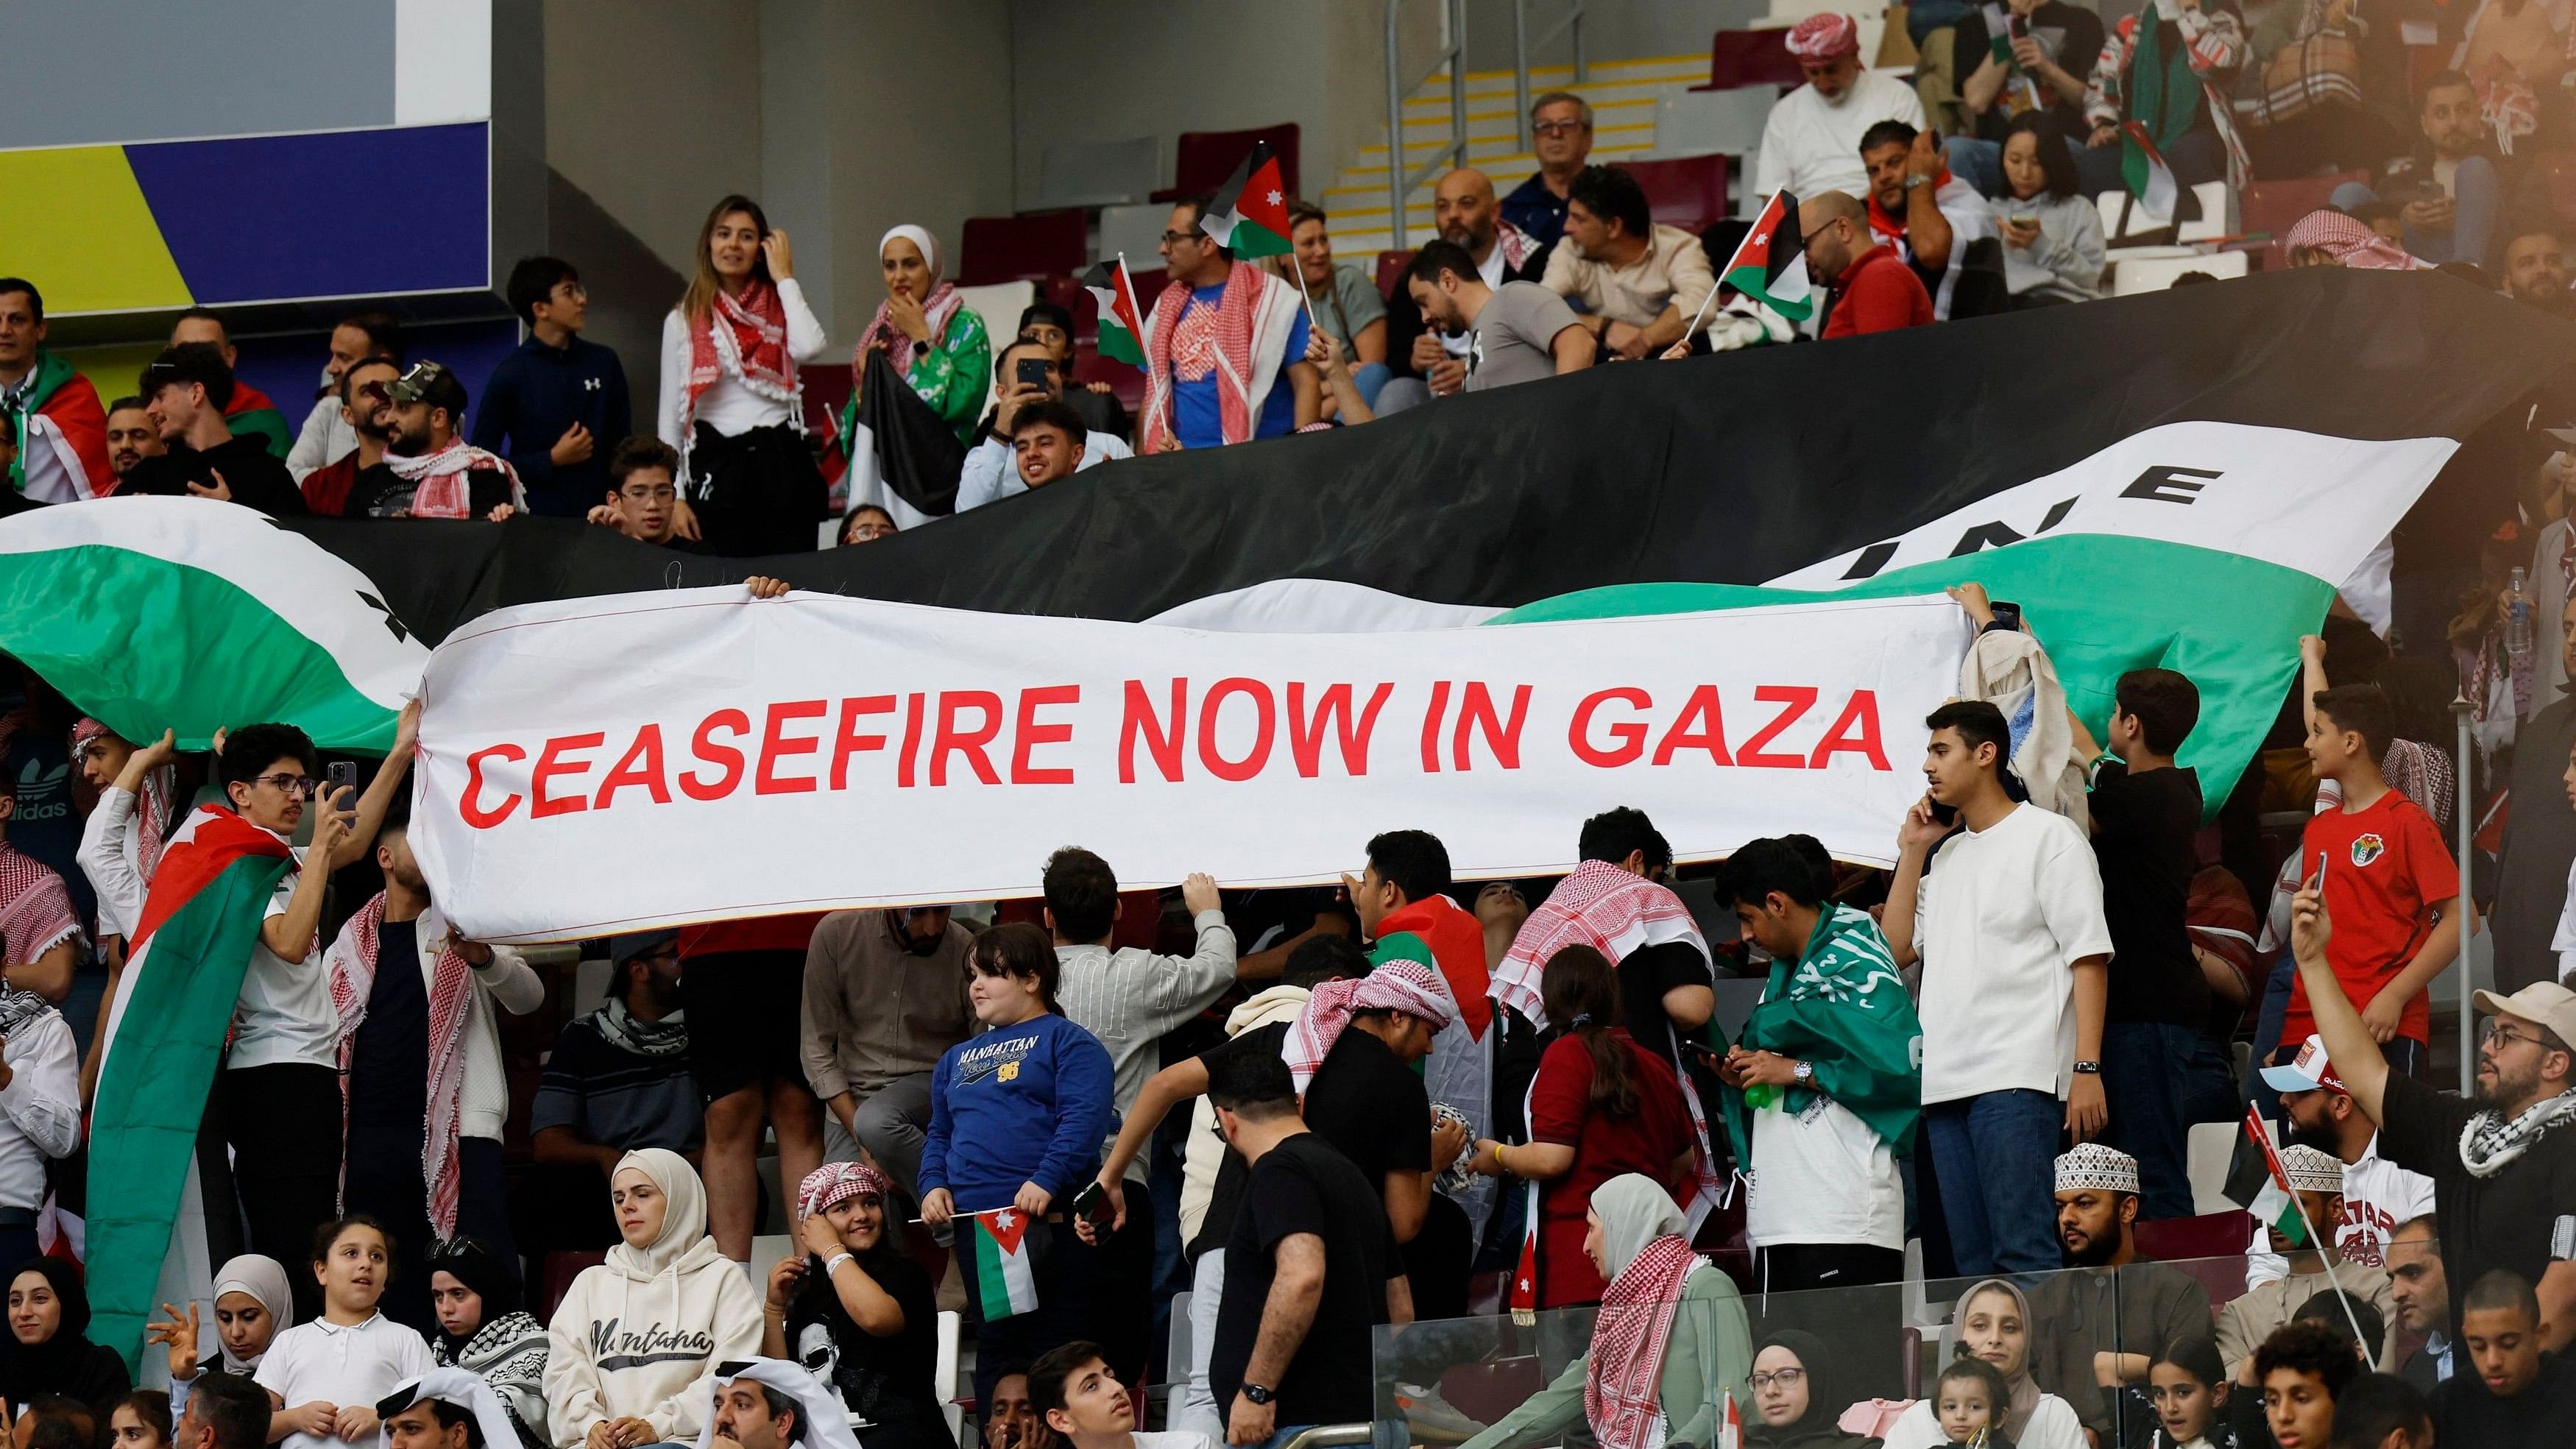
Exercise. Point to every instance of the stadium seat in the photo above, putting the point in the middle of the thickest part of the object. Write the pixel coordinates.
(1695, 123)
(943, 1369)
(1688, 193)
(2212, 1147)
(2131, 275)
(2275, 206)
(2210, 1247)
(1390, 270)
(1022, 248)
(1204, 159)
(1135, 232)
(1751, 58)
(2126, 223)
(1099, 173)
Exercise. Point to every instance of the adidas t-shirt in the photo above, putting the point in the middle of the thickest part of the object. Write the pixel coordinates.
(2385, 869)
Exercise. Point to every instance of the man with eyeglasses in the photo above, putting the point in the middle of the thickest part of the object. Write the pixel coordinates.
(1226, 362)
(2503, 1161)
(366, 401)
(643, 498)
(558, 404)
(279, 1093)
(885, 997)
(1561, 136)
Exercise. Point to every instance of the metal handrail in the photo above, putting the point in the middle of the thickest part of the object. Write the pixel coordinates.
(1522, 45)
(1322, 1435)
(1399, 182)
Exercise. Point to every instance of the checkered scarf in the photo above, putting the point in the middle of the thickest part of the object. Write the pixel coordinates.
(835, 1183)
(352, 964)
(1622, 1392)
(753, 340)
(2490, 1143)
(36, 912)
(151, 808)
(1600, 906)
(1197, 341)
(442, 491)
(1404, 986)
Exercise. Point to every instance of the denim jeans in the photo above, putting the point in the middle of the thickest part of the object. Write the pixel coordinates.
(1370, 378)
(1995, 1156)
(2146, 1073)
(2477, 204)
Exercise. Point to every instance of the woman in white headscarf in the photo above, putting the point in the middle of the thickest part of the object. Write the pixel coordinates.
(936, 342)
(632, 1352)
(1669, 1344)
(253, 1304)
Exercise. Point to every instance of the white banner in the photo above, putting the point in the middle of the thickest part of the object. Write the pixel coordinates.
(608, 764)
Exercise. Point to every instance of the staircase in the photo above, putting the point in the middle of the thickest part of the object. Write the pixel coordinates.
(1622, 94)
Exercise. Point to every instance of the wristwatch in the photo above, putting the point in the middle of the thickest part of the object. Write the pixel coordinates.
(1914, 181)
(2088, 1069)
(1805, 1072)
(1257, 1394)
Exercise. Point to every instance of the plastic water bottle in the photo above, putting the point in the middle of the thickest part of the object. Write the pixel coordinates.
(2517, 614)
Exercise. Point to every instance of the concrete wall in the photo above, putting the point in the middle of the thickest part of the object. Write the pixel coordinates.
(1612, 29)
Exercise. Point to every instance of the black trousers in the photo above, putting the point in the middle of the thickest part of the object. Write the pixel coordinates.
(1790, 1267)
(755, 493)
(283, 1122)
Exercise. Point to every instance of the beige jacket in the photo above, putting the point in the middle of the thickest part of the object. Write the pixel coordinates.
(1205, 1150)
(1674, 272)
(2011, 671)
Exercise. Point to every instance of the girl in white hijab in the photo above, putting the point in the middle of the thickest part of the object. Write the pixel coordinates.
(252, 1305)
(632, 1352)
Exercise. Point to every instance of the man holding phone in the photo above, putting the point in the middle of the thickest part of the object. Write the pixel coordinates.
(1027, 373)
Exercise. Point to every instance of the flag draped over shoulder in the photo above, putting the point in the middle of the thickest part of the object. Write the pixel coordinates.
(1600, 906)
(1841, 1006)
(200, 921)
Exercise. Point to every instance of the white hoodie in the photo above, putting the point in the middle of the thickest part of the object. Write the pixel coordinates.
(640, 1336)
(1205, 1150)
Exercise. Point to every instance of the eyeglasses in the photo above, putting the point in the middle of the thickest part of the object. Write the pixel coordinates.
(2496, 1036)
(663, 494)
(1787, 1378)
(1175, 238)
(303, 785)
(572, 291)
(1557, 128)
(870, 532)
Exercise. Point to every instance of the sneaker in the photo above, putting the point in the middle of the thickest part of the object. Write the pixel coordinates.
(1431, 1414)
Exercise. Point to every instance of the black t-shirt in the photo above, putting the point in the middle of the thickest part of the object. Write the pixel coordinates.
(389, 1060)
(2143, 826)
(1225, 1198)
(256, 477)
(2522, 1219)
(380, 492)
(1304, 1186)
(1373, 1108)
(886, 1379)
(2069, 35)
(1645, 974)
(2542, 1416)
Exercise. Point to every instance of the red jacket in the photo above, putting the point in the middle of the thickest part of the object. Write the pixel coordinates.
(1878, 292)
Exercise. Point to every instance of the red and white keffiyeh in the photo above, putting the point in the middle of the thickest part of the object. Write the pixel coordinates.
(1517, 248)
(151, 808)
(2351, 243)
(352, 964)
(1622, 1391)
(835, 1183)
(1404, 986)
(746, 336)
(1600, 906)
(36, 913)
(1823, 37)
(442, 490)
(1198, 340)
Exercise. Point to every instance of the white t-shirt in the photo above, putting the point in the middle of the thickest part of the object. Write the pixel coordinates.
(1999, 922)
(2564, 942)
(285, 1013)
(1173, 1439)
(1810, 146)
(2052, 1425)
(340, 1365)
(1822, 1176)
(2379, 1197)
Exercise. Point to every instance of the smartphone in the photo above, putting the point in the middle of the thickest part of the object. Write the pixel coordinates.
(1093, 1203)
(1033, 372)
(1946, 814)
(2009, 615)
(341, 775)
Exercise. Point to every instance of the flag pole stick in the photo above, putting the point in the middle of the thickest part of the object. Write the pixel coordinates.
(2325, 1251)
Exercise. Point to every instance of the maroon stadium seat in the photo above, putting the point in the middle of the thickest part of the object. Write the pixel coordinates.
(2211, 1248)
(1751, 58)
(1390, 270)
(1022, 248)
(1207, 158)
(1688, 193)
(2275, 206)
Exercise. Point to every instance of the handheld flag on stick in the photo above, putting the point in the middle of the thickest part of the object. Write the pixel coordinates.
(1006, 1282)
(1122, 322)
(2278, 1205)
(2144, 172)
(1250, 213)
(1770, 265)
(1730, 1425)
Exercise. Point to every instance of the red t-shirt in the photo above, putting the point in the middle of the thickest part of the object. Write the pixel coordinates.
(2386, 867)
(1879, 293)
(1604, 1147)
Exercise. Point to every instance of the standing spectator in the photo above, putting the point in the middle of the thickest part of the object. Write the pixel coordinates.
(731, 404)
(40, 1102)
(1016, 1120)
(1831, 1054)
(2145, 810)
(2520, 1394)
(2378, 1196)
(1345, 301)
(616, 1082)
(248, 412)
(2539, 852)
(2041, 77)
(1561, 137)
(2093, 1352)
(1601, 1107)
(1935, 221)
(743, 983)
(2535, 268)
(50, 1350)
(324, 1375)
(636, 1343)
(428, 469)
(131, 438)
(184, 391)
(41, 942)
(365, 401)
(1518, 332)
(885, 998)
(2502, 1166)
(483, 1330)
(2052, 232)
(2449, 195)
(2423, 1297)
(2387, 878)
(1310, 1271)
(2014, 953)
(1638, 283)
(2317, 1179)
(2300, 1372)
(989, 474)
(140, 1420)
(418, 1043)
(936, 342)
(557, 403)
(121, 841)
(1465, 213)
(1616, 903)
(252, 1303)
(54, 420)
(643, 494)
(1872, 289)
(1051, 327)
(1226, 335)
(2169, 69)
(279, 1094)
(2223, 926)
(855, 1311)
(1008, 1422)
(1811, 143)
(326, 436)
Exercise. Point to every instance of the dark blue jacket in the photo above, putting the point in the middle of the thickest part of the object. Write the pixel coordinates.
(534, 395)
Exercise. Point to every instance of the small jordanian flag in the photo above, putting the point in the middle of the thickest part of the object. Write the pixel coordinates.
(1524, 1295)
(1250, 214)
(189, 954)
(1730, 1425)
(2274, 1206)
(2144, 172)
(1770, 264)
(1122, 325)
(1006, 1285)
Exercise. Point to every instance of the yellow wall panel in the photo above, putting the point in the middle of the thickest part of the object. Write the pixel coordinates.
(78, 227)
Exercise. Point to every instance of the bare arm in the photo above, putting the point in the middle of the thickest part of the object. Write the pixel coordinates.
(2087, 1110)
(1914, 842)
(1408, 1198)
(559, 1144)
(1310, 393)
(1573, 349)
(1983, 84)
(1666, 329)
(1926, 229)
(2557, 1289)
(2312, 677)
(1690, 1007)
(1399, 1299)
(289, 933)
(2349, 1046)
(870, 1307)
(380, 791)
(1296, 1287)
(1370, 345)
(49, 975)
(2441, 945)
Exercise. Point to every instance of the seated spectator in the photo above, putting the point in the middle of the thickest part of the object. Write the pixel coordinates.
(617, 1082)
(445, 1408)
(2421, 1292)
(227, 1413)
(1217, 309)
(2126, 1303)
(2169, 69)
(936, 342)
(2317, 1178)
(1871, 288)
(2301, 1370)
(643, 493)
(2189, 1389)
(2039, 74)
(1601, 1107)
(1047, 446)
(885, 998)
(140, 1420)
(2519, 1394)
(1516, 332)
(1796, 1384)
(557, 401)
(365, 399)
(429, 470)
(1008, 1421)
(867, 523)
(1933, 219)
(731, 404)
(1051, 327)
(131, 437)
(323, 1378)
(2535, 268)
(52, 417)
(1968, 1399)
(483, 1330)
(1665, 1299)
(1345, 301)
(59, 1421)
(49, 1347)
(1074, 1393)
(2381, 1411)
(636, 1342)
(1811, 143)
(1561, 138)
(252, 1304)
(2448, 193)
(2331, 239)
(991, 473)
(1465, 213)
(184, 391)
(2378, 1196)
(326, 436)
(248, 411)
(855, 1311)
(2052, 232)
(1638, 284)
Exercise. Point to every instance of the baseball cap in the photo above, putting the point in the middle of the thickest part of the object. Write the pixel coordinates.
(2546, 1002)
(201, 363)
(2309, 1071)
(625, 948)
(430, 382)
